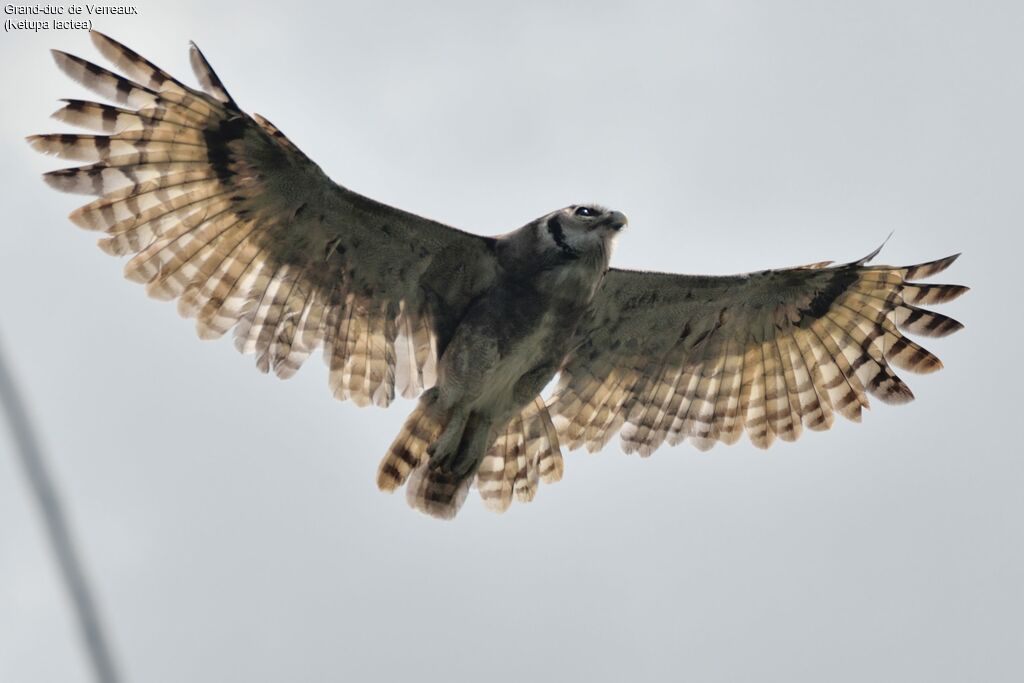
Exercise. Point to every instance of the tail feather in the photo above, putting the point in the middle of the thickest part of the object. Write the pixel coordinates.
(511, 465)
(436, 493)
(441, 494)
(409, 449)
(525, 453)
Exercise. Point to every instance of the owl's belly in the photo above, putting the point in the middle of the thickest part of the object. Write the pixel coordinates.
(529, 363)
(503, 356)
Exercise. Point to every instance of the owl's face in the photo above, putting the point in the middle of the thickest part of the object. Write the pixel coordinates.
(583, 228)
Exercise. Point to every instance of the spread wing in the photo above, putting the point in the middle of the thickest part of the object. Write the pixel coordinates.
(220, 211)
(674, 357)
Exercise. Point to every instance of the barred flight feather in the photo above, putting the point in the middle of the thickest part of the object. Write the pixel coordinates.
(221, 211)
(675, 357)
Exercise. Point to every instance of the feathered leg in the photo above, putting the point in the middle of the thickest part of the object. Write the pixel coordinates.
(439, 487)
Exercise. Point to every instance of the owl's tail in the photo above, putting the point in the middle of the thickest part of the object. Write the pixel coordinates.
(433, 492)
(506, 465)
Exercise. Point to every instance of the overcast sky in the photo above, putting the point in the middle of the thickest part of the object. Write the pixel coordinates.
(230, 520)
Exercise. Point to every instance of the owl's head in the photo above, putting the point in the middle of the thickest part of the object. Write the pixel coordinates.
(582, 229)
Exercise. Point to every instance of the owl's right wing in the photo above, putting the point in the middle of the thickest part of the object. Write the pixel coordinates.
(220, 211)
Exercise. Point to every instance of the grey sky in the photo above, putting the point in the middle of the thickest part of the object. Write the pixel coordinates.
(231, 521)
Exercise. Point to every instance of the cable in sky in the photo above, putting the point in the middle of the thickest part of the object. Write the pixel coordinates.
(57, 528)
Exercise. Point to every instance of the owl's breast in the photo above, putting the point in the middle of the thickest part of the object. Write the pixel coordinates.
(543, 311)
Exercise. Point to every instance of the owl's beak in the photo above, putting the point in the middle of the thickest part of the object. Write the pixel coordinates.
(616, 220)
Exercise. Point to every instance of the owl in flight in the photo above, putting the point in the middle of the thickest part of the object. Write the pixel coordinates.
(219, 210)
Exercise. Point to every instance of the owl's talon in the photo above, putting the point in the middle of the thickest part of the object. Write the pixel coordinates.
(449, 463)
(440, 461)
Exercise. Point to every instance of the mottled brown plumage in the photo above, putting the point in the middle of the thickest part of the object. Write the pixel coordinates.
(218, 210)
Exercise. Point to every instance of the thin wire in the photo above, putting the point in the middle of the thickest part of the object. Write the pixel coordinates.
(48, 500)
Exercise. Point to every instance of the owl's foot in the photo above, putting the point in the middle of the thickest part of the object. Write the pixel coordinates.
(444, 453)
(454, 463)
(461, 446)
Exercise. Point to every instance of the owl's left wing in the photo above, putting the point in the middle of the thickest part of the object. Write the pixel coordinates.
(674, 357)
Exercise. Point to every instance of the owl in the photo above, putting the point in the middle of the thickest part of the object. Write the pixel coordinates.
(219, 211)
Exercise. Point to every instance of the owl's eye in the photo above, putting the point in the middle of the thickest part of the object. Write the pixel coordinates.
(585, 211)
